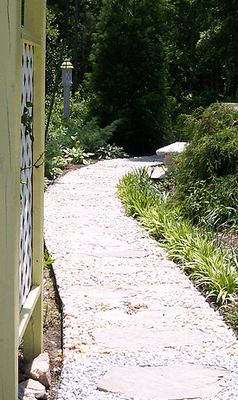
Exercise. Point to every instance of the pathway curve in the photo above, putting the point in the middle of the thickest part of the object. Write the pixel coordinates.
(134, 325)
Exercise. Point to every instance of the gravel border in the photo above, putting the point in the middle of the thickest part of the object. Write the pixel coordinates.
(79, 379)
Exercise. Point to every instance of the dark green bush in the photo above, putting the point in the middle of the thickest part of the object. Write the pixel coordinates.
(128, 78)
(206, 173)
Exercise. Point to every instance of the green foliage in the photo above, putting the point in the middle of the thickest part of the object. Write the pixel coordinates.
(53, 45)
(27, 119)
(207, 122)
(206, 174)
(156, 218)
(207, 264)
(90, 135)
(57, 139)
(75, 22)
(137, 192)
(76, 154)
(48, 260)
(200, 39)
(73, 140)
(128, 78)
(232, 317)
(111, 151)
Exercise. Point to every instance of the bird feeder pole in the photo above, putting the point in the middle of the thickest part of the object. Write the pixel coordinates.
(67, 82)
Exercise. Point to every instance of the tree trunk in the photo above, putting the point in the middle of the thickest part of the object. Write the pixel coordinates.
(66, 21)
(76, 67)
(134, 7)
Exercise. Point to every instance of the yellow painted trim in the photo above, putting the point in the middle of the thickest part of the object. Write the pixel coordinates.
(10, 118)
(30, 38)
(34, 22)
(11, 43)
(27, 309)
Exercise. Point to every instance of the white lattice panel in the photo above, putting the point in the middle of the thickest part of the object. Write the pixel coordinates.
(25, 268)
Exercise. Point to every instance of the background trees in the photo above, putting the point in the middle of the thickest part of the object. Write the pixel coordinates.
(75, 21)
(202, 37)
(146, 61)
(128, 79)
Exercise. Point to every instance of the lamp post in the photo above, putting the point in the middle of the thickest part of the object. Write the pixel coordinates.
(67, 82)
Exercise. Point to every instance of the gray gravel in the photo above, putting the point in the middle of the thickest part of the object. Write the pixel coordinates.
(80, 378)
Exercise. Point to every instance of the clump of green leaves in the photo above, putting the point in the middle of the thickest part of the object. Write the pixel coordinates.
(138, 192)
(77, 154)
(90, 135)
(48, 260)
(27, 120)
(111, 151)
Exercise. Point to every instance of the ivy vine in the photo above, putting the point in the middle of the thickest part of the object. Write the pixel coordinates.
(27, 120)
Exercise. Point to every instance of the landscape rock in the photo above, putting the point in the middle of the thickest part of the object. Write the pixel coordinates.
(31, 389)
(25, 394)
(39, 369)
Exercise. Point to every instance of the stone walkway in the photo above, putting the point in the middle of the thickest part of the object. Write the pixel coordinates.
(134, 325)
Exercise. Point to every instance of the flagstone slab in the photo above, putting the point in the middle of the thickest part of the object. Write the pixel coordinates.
(124, 253)
(123, 292)
(98, 240)
(142, 316)
(134, 337)
(123, 268)
(90, 251)
(175, 382)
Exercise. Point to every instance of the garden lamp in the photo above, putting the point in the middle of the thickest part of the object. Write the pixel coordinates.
(67, 82)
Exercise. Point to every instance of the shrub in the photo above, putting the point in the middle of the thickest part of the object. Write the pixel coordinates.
(72, 140)
(209, 163)
(90, 135)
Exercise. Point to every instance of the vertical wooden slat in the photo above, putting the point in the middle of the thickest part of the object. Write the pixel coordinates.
(10, 117)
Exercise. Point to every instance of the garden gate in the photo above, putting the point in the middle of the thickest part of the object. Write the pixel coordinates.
(22, 54)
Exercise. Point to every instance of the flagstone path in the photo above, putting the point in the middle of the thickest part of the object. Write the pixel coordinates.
(134, 326)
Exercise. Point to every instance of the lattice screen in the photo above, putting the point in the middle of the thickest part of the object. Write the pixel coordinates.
(25, 268)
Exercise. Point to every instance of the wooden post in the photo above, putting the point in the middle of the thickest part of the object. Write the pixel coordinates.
(34, 25)
(10, 117)
(29, 323)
